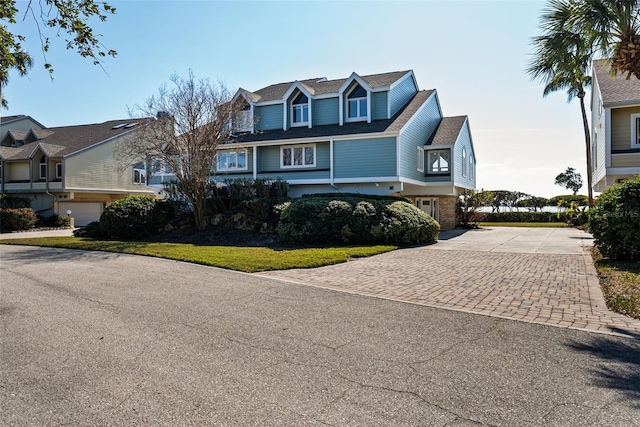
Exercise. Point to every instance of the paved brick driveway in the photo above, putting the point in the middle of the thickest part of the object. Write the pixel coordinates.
(535, 275)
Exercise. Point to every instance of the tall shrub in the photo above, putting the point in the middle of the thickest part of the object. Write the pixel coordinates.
(17, 219)
(615, 221)
(134, 217)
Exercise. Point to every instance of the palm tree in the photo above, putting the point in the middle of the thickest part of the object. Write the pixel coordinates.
(561, 60)
(614, 26)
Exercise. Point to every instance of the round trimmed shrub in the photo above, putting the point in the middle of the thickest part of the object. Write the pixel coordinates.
(134, 217)
(615, 221)
(405, 224)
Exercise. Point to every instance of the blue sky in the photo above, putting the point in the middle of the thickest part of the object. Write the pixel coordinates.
(473, 52)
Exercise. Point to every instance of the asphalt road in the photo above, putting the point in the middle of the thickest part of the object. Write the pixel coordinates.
(103, 339)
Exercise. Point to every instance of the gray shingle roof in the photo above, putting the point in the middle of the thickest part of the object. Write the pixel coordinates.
(616, 90)
(11, 118)
(389, 125)
(60, 141)
(321, 86)
(447, 131)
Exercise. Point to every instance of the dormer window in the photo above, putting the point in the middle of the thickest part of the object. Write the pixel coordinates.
(244, 118)
(357, 104)
(43, 167)
(300, 110)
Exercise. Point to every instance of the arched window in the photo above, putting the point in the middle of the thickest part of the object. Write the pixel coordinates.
(43, 167)
(464, 162)
(357, 104)
(300, 110)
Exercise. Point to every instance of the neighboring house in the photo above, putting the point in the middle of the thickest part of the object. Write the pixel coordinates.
(67, 168)
(615, 119)
(375, 134)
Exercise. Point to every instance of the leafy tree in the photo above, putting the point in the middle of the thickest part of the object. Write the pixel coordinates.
(63, 16)
(505, 198)
(469, 202)
(561, 60)
(533, 203)
(570, 179)
(191, 120)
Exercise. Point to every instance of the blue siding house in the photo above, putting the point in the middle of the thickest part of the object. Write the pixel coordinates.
(373, 134)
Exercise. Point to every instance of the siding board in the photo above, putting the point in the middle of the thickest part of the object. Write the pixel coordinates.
(268, 117)
(372, 157)
(416, 134)
(326, 112)
(621, 127)
(401, 94)
(379, 105)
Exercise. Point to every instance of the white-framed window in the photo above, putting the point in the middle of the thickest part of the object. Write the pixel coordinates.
(139, 173)
(357, 104)
(58, 170)
(232, 160)
(472, 167)
(439, 161)
(244, 118)
(300, 110)
(420, 159)
(635, 130)
(42, 167)
(298, 156)
(464, 162)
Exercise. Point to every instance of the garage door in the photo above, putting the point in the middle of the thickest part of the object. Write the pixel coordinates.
(82, 213)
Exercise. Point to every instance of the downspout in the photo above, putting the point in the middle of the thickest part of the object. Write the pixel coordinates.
(255, 162)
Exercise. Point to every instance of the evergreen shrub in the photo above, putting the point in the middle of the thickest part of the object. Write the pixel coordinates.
(17, 219)
(134, 217)
(353, 218)
(614, 221)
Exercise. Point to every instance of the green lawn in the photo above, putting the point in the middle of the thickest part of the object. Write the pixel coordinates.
(247, 259)
(524, 224)
(620, 282)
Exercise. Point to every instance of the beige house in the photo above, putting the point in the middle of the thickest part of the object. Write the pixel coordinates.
(615, 122)
(70, 168)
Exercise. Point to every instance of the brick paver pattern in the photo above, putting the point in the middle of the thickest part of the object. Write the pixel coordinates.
(556, 289)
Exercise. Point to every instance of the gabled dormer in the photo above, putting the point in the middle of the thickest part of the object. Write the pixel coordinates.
(297, 109)
(244, 120)
(355, 100)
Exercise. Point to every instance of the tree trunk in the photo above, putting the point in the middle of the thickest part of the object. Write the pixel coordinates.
(587, 139)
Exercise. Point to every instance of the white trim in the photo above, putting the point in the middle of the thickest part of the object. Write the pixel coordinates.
(58, 176)
(341, 110)
(397, 82)
(623, 171)
(635, 153)
(292, 148)
(350, 79)
(331, 171)
(267, 103)
(635, 131)
(607, 137)
(371, 179)
(284, 116)
(316, 139)
(427, 183)
(295, 85)
(302, 105)
(420, 159)
(255, 161)
(465, 165)
(308, 181)
(325, 96)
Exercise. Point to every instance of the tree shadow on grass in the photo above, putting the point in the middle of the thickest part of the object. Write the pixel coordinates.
(620, 367)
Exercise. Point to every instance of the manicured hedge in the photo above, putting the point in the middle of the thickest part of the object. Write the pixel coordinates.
(134, 217)
(525, 217)
(359, 219)
(614, 221)
(17, 219)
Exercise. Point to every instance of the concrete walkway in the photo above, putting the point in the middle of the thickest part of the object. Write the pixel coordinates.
(538, 275)
(30, 234)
